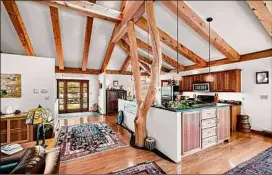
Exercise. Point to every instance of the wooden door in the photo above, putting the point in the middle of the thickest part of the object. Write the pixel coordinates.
(191, 134)
(223, 125)
(73, 95)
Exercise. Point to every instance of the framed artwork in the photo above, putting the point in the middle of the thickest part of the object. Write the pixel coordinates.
(262, 77)
(10, 85)
(115, 83)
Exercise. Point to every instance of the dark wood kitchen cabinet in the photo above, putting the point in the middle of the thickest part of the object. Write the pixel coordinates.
(112, 97)
(224, 81)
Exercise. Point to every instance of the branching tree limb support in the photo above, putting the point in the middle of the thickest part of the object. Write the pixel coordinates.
(144, 105)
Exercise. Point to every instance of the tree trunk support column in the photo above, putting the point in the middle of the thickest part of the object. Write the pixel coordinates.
(144, 105)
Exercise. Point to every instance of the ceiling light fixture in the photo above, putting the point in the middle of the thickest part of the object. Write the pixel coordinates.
(209, 78)
(177, 76)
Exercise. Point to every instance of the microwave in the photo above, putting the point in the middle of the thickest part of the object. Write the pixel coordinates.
(201, 87)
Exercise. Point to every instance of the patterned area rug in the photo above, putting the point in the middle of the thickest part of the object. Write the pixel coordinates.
(79, 114)
(142, 168)
(260, 164)
(82, 140)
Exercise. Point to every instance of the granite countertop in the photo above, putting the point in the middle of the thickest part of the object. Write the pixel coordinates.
(218, 105)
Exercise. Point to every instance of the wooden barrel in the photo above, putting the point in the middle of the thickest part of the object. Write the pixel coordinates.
(150, 143)
(243, 124)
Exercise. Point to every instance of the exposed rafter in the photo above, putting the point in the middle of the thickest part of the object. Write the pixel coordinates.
(125, 47)
(261, 10)
(123, 73)
(87, 40)
(172, 43)
(132, 11)
(125, 64)
(145, 67)
(18, 24)
(71, 70)
(57, 35)
(199, 25)
(86, 8)
(245, 57)
(144, 46)
(111, 44)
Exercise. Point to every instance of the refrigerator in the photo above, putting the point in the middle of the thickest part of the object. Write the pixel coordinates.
(169, 93)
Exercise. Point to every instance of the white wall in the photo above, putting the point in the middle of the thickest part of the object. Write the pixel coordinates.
(124, 80)
(259, 110)
(36, 73)
(93, 84)
(102, 93)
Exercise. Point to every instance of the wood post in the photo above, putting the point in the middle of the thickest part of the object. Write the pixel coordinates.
(144, 106)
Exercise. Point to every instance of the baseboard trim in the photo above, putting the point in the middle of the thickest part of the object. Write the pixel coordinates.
(264, 133)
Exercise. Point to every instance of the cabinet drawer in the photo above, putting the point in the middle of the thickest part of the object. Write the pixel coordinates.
(209, 141)
(211, 113)
(208, 132)
(207, 123)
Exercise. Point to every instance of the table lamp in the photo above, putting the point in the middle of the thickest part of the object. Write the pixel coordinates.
(39, 116)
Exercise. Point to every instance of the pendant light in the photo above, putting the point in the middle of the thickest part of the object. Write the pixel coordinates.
(177, 76)
(209, 78)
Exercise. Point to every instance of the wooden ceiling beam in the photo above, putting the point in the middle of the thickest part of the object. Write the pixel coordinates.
(125, 47)
(87, 9)
(117, 72)
(132, 11)
(142, 45)
(172, 43)
(87, 40)
(245, 57)
(18, 24)
(125, 64)
(145, 67)
(261, 10)
(71, 70)
(201, 27)
(111, 43)
(57, 35)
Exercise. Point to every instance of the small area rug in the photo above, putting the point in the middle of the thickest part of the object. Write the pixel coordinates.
(142, 168)
(260, 164)
(86, 139)
(78, 114)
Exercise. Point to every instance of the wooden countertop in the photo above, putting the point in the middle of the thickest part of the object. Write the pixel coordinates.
(10, 116)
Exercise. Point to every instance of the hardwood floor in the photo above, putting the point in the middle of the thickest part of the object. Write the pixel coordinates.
(214, 160)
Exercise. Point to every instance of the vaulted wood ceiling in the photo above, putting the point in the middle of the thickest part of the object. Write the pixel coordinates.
(91, 37)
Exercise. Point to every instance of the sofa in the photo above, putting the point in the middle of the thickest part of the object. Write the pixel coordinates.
(35, 160)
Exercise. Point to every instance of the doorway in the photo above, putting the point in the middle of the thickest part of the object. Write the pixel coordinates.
(73, 95)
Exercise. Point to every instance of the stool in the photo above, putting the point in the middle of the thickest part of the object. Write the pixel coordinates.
(150, 143)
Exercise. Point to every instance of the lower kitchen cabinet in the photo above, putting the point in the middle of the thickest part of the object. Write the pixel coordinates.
(223, 117)
(204, 128)
(190, 132)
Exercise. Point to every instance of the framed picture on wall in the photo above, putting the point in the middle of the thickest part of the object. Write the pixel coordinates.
(115, 83)
(262, 77)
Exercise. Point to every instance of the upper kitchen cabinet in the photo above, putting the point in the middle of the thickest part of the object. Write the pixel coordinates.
(224, 81)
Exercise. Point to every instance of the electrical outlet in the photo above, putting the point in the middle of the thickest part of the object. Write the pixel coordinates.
(264, 97)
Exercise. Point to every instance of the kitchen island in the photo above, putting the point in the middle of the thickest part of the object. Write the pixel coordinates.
(182, 132)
